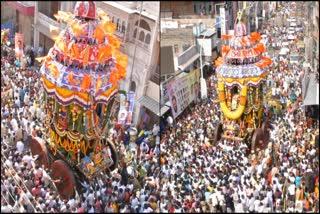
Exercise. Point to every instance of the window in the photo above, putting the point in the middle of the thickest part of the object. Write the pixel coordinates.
(144, 25)
(176, 48)
(112, 19)
(195, 8)
(49, 8)
(135, 33)
(210, 8)
(147, 41)
(123, 29)
(141, 36)
(118, 27)
(144, 31)
(45, 42)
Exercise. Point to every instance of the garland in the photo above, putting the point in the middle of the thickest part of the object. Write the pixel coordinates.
(240, 109)
(69, 145)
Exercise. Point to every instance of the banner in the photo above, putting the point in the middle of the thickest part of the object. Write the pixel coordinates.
(123, 109)
(126, 108)
(19, 40)
(223, 20)
(183, 91)
(131, 97)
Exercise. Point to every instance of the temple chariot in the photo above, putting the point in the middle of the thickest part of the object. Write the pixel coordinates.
(242, 71)
(80, 77)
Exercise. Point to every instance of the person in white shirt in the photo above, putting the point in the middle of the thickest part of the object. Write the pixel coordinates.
(14, 124)
(170, 121)
(155, 130)
(91, 197)
(8, 162)
(20, 147)
(26, 99)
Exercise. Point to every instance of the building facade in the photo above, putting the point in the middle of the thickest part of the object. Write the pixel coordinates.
(315, 35)
(139, 33)
(44, 17)
(21, 15)
(139, 41)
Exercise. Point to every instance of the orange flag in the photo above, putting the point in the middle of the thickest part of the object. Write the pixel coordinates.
(114, 41)
(104, 53)
(226, 37)
(114, 77)
(243, 41)
(74, 51)
(120, 58)
(85, 55)
(98, 34)
(54, 70)
(225, 49)
(70, 78)
(77, 28)
(99, 83)
(61, 45)
(121, 71)
(108, 26)
(86, 82)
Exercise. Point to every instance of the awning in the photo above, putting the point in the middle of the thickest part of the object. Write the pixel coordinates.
(312, 92)
(150, 104)
(165, 108)
(26, 8)
(189, 62)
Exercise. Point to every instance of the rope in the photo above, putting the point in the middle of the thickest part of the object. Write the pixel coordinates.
(15, 201)
(17, 183)
(4, 197)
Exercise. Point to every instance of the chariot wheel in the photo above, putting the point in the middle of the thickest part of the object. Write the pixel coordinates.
(63, 179)
(217, 133)
(38, 147)
(258, 139)
(265, 127)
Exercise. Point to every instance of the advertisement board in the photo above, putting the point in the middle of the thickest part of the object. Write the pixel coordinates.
(126, 108)
(19, 41)
(183, 91)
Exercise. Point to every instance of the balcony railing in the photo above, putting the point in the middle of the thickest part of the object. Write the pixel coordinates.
(120, 36)
(155, 77)
(166, 15)
(45, 20)
(27, 3)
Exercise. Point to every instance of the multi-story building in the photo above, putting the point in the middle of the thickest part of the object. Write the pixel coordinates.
(312, 35)
(315, 35)
(188, 13)
(187, 9)
(137, 26)
(44, 17)
(20, 15)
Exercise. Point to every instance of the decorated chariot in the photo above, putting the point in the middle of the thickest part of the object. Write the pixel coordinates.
(242, 71)
(80, 76)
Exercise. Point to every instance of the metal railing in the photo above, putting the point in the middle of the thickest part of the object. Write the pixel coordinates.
(45, 20)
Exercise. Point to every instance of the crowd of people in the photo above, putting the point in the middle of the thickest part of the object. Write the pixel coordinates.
(27, 186)
(183, 172)
(199, 176)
